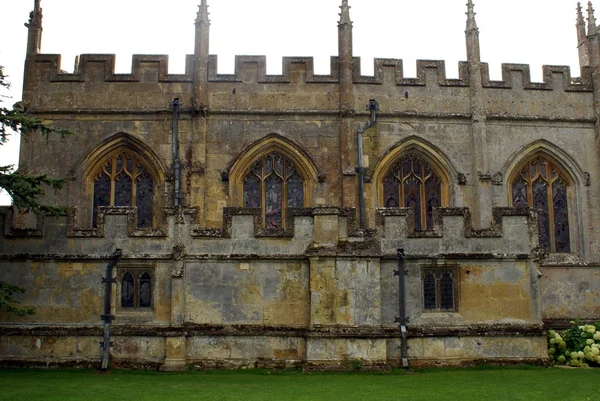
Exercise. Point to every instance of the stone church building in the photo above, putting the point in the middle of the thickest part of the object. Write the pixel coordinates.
(261, 218)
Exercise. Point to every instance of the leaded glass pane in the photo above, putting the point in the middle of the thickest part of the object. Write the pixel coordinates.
(540, 203)
(429, 293)
(561, 216)
(295, 191)
(273, 201)
(413, 183)
(390, 191)
(145, 291)
(127, 291)
(101, 194)
(446, 291)
(123, 190)
(433, 196)
(278, 162)
(123, 178)
(412, 199)
(273, 184)
(119, 164)
(144, 191)
(519, 192)
(268, 164)
(251, 191)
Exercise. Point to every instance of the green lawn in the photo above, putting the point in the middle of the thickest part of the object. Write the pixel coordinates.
(518, 383)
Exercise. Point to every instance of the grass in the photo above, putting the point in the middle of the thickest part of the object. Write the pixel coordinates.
(486, 383)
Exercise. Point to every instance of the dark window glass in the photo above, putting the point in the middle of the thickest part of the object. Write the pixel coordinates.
(273, 184)
(540, 185)
(144, 195)
(429, 291)
(101, 194)
(446, 291)
(118, 183)
(127, 291)
(145, 291)
(439, 289)
(412, 182)
(561, 216)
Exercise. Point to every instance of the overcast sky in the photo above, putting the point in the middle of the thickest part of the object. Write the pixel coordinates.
(534, 32)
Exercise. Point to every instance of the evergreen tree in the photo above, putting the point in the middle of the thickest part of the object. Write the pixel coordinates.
(24, 189)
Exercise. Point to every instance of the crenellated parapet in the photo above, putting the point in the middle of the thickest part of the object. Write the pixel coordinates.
(253, 69)
(95, 87)
(423, 66)
(519, 75)
(144, 67)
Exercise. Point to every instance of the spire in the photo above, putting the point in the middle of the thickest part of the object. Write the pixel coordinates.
(345, 14)
(472, 35)
(35, 17)
(579, 15)
(202, 16)
(34, 25)
(471, 23)
(592, 29)
(582, 40)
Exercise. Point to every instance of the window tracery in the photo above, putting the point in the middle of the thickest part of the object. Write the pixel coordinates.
(540, 184)
(124, 179)
(412, 182)
(136, 288)
(273, 184)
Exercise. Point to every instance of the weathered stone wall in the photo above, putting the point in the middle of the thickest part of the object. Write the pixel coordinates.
(231, 298)
(569, 293)
(320, 290)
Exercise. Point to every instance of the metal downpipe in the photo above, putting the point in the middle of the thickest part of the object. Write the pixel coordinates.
(176, 165)
(107, 318)
(373, 106)
(402, 320)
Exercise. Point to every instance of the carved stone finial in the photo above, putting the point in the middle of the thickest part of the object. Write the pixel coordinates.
(471, 23)
(345, 14)
(592, 29)
(580, 20)
(202, 16)
(35, 17)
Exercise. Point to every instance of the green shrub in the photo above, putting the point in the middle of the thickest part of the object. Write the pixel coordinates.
(578, 346)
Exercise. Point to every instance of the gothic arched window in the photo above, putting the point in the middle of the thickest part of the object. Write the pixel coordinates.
(124, 179)
(412, 182)
(136, 288)
(541, 185)
(273, 184)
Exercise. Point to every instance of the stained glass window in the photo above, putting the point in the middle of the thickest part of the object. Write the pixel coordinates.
(136, 289)
(439, 289)
(541, 186)
(124, 180)
(273, 184)
(412, 182)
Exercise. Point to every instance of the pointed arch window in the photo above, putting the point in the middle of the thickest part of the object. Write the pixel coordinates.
(273, 184)
(412, 182)
(124, 179)
(541, 185)
(136, 288)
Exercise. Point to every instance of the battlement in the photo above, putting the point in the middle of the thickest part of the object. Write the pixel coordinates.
(316, 232)
(95, 87)
(253, 69)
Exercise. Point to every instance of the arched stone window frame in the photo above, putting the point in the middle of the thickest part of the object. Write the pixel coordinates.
(107, 149)
(137, 273)
(426, 151)
(569, 170)
(239, 167)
